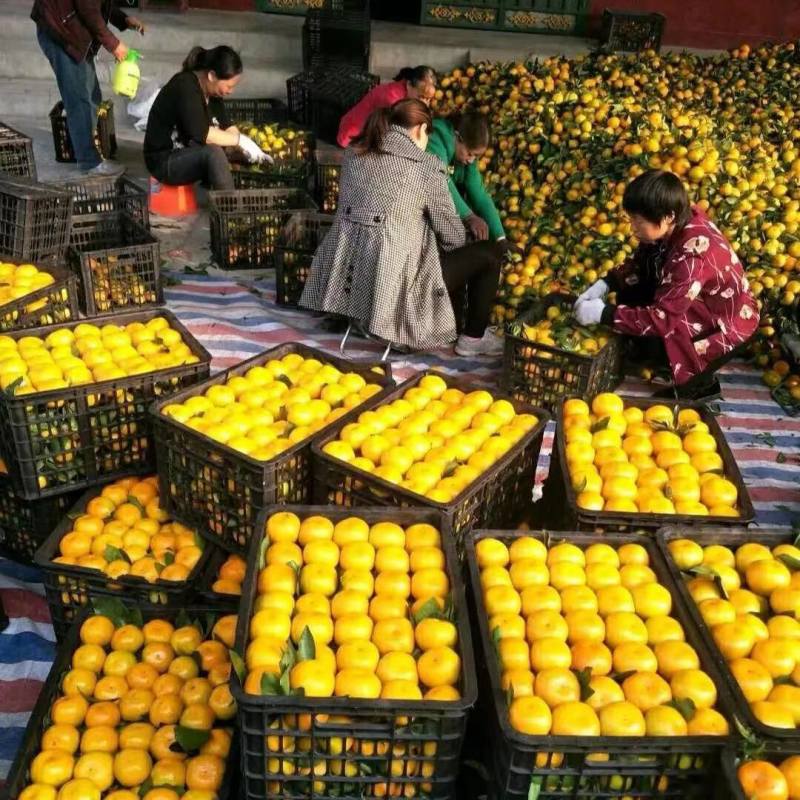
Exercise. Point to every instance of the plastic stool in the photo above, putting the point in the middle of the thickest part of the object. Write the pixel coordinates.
(172, 201)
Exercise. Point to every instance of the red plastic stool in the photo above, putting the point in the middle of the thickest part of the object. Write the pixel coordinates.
(172, 201)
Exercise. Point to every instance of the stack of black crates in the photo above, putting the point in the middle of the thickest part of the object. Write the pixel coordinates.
(336, 48)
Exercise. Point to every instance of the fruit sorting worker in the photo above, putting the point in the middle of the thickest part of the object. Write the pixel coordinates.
(459, 142)
(684, 285)
(397, 251)
(413, 83)
(71, 33)
(188, 126)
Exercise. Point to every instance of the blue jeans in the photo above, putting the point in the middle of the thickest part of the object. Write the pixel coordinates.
(80, 93)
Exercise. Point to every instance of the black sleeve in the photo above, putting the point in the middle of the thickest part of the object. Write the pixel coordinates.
(218, 112)
(191, 111)
(608, 315)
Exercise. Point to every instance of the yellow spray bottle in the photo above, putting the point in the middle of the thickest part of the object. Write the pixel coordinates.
(126, 75)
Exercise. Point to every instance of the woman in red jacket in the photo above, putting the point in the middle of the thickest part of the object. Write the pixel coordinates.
(413, 83)
(684, 286)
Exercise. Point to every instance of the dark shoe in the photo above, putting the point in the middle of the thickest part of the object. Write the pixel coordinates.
(705, 392)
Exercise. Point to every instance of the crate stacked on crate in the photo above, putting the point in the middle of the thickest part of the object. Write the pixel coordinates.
(16, 153)
(97, 195)
(217, 476)
(32, 296)
(105, 137)
(627, 464)
(469, 454)
(334, 95)
(117, 542)
(631, 31)
(326, 186)
(118, 262)
(34, 220)
(302, 234)
(379, 687)
(72, 427)
(606, 689)
(95, 696)
(246, 224)
(548, 356)
(739, 586)
(337, 38)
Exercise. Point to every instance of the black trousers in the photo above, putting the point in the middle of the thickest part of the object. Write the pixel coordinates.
(471, 274)
(206, 163)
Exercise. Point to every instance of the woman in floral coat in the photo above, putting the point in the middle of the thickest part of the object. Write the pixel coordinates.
(684, 285)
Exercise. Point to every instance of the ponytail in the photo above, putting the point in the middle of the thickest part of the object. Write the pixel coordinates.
(222, 60)
(416, 75)
(405, 114)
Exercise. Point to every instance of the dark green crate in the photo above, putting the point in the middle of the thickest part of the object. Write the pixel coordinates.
(460, 14)
(544, 16)
(300, 7)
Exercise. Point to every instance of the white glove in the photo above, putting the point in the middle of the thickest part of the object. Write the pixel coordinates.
(599, 289)
(255, 155)
(589, 312)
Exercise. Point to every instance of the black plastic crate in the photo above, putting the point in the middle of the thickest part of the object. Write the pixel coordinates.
(25, 524)
(205, 591)
(118, 261)
(334, 97)
(246, 224)
(543, 374)
(333, 39)
(105, 137)
(632, 31)
(301, 236)
(423, 737)
(780, 739)
(220, 491)
(107, 196)
(16, 153)
(259, 111)
(71, 588)
(500, 496)
(67, 439)
(326, 191)
(40, 718)
(34, 220)
(730, 787)
(49, 305)
(298, 94)
(592, 767)
(283, 174)
(560, 498)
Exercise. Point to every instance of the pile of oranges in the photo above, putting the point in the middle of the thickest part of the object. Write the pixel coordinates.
(86, 354)
(372, 600)
(22, 279)
(124, 531)
(651, 461)
(434, 441)
(274, 406)
(230, 576)
(145, 713)
(587, 643)
(763, 780)
(749, 599)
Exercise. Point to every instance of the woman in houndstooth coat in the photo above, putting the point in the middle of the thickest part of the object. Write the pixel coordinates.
(381, 262)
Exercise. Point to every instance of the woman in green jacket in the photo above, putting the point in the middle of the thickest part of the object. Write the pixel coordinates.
(459, 142)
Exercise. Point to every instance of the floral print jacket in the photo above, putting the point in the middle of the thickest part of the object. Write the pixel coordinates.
(690, 291)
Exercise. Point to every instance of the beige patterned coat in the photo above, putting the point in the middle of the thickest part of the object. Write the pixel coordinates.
(379, 263)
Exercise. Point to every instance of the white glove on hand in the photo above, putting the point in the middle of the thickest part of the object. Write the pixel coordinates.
(599, 289)
(589, 312)
(255, 155)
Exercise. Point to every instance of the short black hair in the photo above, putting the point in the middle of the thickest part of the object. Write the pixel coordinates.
(472, 128)
(656, 194)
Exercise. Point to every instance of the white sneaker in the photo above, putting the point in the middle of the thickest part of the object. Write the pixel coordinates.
(106, 169)
(490, 344)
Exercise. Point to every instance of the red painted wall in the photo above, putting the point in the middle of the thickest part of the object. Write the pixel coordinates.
(715, 23)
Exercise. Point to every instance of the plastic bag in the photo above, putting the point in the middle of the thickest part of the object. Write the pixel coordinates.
(139, 108)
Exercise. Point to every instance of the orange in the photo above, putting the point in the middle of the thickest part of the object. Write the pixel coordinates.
(61, 737)
(518, 681)
(393, 635)
(222, 703)
(135, 704)
(52, 767)
(110, 687)
(97, 630)
(565, 573)
(646, 690)
(622, 628)
(614, 600)
(530, 715)
(204, 772)
(132, 767)
(361, 655)
(352, 628)
(716, 611)
(79, 681)
(765, 576)
(664, 721)
(104, 714)
(775, 656)
(575, 719)
(351, 529)
(196, 690)
(695, 685)
(386, 607)
(557, 686)
(788, 697)
(734, 639)
(773, 715)
(538, 598)
(549, 653)
(197, 716)
(166, 710)
(137, 735)
(432, 632)
(790, 767)
(158, 655)
(428, 583)
(128, 638)
(402, 690)
(69, 710)
(605, 691)
(585, 626)
(674, 656)
(719, 492)
(578, 598)
(168, 771)
(633, 657)
(594, 656)
(546, 624)
(502, 600)
(182, 668)
(652, 600)
(622, 719)
(513, 653)
(439, 666)
(276, 578)
(761, 780)
(211, 654)
(527, 572)
(395, 666)
(218, 744)
(357, 683)
(663, 629)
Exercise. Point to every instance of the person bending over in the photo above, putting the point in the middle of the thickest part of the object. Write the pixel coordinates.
(188, 128)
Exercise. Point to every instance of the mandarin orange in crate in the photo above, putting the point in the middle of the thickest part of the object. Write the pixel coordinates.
(136, 704)
(223, 578)
(74, 405)
(438, 442)
(769, 775)
(119, 542)
(32, 296)
(743, 591)
(356, 674)
(624, 463)
(600, 684)
(241, 440)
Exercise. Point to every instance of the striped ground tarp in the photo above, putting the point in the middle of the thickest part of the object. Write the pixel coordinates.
(237, 320)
